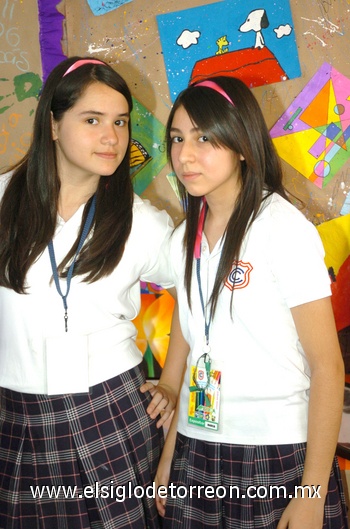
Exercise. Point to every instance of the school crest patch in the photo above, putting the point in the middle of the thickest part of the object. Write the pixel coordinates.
(239, 275)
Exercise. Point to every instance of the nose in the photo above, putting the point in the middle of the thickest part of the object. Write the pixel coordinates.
(109, 135)
(186, 153)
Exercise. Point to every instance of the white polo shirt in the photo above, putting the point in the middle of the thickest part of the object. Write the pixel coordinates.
(101, 312)
(265, 375)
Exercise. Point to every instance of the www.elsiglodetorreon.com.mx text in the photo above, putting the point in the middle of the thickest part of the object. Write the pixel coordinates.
(120, 492)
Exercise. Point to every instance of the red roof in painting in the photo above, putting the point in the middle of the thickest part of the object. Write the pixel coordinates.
(254, 66)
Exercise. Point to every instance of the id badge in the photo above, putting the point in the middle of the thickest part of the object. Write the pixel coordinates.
(204, 398)
(67, 364)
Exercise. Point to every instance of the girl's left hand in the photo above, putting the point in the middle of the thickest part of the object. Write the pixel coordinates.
(307, 513)
(163, 401)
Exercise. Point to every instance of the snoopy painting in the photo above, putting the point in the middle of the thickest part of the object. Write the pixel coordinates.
(249, 39)
(256, 21)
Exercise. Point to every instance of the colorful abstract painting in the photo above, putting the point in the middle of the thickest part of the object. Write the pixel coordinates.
(254, 42)
(153, 327)
(313, 134)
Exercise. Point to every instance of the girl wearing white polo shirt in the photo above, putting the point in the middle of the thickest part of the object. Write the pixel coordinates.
(261, 399)
(75, 439)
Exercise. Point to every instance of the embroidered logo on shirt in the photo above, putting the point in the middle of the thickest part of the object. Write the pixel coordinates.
(239, 275)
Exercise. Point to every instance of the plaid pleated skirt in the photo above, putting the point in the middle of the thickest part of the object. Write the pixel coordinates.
(241, 487)
(79, 461)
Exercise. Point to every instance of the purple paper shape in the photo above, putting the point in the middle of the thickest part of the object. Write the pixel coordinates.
(50, 35)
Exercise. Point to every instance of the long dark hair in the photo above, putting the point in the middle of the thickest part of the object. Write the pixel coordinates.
(28, 210)
(240, 127)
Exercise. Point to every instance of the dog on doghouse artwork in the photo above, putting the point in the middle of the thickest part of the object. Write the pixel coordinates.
(256, 21)
(256, 44)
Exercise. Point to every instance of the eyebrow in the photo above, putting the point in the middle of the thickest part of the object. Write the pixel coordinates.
(194, 129)
(98, 113)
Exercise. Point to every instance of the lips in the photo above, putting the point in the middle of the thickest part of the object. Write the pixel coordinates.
(107, 155)
(189, 175)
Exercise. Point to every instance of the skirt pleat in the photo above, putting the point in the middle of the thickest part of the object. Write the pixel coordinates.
(79, 461)
(213, 486)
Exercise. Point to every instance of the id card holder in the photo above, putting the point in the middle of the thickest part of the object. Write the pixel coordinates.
(67, 364)
(204, 404)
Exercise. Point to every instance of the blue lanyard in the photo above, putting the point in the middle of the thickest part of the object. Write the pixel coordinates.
(197, 255)
(84, 234)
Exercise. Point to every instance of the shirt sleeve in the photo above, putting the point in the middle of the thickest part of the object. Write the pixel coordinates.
(297, 257)
(155, 228)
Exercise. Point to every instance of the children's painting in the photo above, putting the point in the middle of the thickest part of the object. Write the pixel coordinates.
(253, 41)
(148, 156)
(313, 134)
(153, 327)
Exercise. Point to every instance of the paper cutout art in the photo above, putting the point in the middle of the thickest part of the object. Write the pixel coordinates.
(254, 43)
(313, 135)
(148, 155)
(101, 7)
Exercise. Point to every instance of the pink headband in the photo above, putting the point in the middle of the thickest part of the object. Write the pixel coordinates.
(217, 88)
(79, 63)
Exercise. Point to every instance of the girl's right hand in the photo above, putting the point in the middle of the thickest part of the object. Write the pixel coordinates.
(163, 401)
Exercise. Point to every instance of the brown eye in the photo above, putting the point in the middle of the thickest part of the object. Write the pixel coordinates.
(176, 139)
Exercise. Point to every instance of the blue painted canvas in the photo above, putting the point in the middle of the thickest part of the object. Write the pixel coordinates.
(254, 41)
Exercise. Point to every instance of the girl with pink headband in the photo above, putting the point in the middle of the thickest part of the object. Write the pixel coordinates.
(76, 443)
(256, 353)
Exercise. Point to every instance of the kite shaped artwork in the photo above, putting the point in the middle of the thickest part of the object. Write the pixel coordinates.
(254, 43)
(313, 135)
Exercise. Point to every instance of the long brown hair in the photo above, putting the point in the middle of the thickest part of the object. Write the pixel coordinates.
(28, 209)
(240, 127)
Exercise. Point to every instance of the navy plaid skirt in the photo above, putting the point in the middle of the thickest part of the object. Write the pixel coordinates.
(79, 461)
(241, 487)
